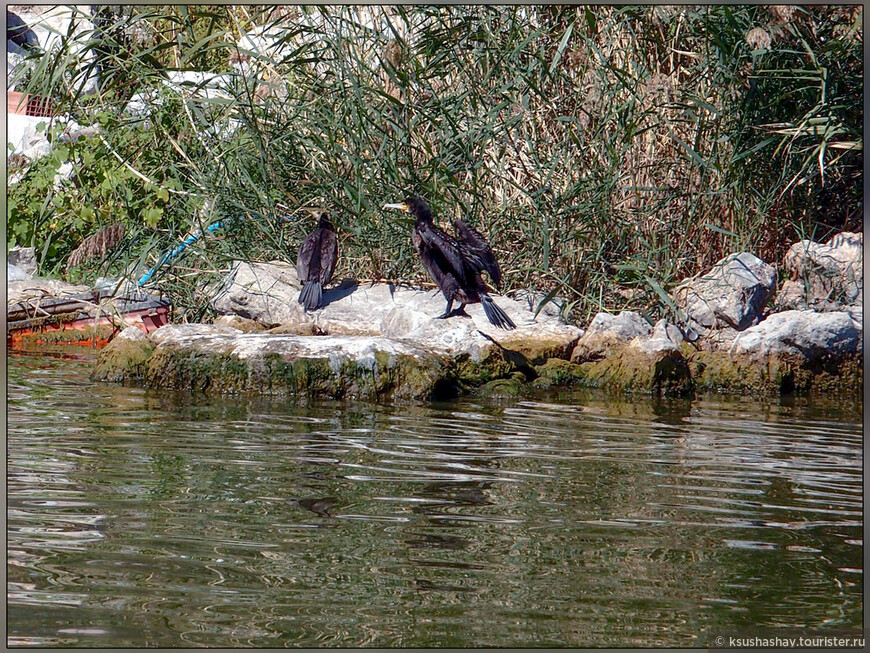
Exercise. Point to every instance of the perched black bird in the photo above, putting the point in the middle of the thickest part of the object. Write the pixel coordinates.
(316, 260)
(455, 264)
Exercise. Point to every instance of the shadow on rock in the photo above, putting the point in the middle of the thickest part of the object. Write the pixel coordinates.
(339, 292)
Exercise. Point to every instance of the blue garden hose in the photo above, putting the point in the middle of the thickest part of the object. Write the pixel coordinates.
(168, 256)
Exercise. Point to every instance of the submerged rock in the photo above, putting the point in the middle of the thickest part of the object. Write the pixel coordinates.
(558, 372)
(510, 388)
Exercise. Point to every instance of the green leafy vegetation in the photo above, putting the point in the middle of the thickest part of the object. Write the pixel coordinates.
(608, 152)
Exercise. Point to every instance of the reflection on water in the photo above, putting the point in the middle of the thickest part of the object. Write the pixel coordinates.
(141, 518)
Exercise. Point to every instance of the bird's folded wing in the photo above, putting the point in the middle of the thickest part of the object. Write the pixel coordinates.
(328, 256)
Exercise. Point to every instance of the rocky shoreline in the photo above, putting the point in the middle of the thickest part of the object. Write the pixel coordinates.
(733, 333)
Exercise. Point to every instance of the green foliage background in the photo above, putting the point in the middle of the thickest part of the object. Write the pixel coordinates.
(608, 152)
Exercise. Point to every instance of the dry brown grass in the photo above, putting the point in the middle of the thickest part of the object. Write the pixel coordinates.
(97, 245)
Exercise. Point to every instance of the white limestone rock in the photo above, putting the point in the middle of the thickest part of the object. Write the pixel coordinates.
(607, 331)
(803, 333)
(734, 293)
(665, 337)
(269, 292)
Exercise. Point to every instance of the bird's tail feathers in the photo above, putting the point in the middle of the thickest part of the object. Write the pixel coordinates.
(311, 295)
(495, 314)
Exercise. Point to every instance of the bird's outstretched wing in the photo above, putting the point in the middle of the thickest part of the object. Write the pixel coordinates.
(437, 240)
(475, 249)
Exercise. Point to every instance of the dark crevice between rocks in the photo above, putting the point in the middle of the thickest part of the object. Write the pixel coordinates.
(672, 377)
(786, 384)
(444, 390)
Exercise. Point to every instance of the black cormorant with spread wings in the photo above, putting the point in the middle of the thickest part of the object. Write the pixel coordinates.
(455, 264)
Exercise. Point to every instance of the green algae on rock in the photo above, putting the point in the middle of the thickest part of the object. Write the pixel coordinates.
(776, 374)
(557, 372)
(509, 388)
(632, 369)
(380, 341)
(213, 359)
(200, 358)
(240, 323)
(100, 332)
(125, 359)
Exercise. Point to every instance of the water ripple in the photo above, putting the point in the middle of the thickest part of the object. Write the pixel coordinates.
(162, 519)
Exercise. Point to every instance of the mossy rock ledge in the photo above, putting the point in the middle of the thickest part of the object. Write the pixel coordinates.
(218, 359)
(380, 341)
(788, 352)
(221, 359)
(369, 341)
(800, 351)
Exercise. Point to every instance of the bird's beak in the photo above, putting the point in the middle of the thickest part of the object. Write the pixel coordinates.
(401, 206)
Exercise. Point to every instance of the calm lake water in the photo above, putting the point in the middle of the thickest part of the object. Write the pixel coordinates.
(142, 518)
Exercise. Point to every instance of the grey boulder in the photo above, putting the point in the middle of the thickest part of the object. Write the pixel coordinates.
(268, 292)
(824, 277)
(733, 294)
(806, 334)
